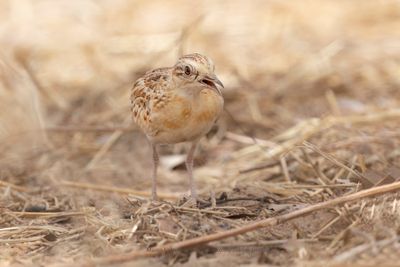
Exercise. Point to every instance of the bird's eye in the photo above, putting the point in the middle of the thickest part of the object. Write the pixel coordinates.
(187, 70)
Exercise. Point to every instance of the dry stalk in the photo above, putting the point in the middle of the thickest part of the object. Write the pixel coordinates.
(111, 189)
(12, 186)
(86, 128)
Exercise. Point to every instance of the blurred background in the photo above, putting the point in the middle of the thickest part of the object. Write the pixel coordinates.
(67, 67)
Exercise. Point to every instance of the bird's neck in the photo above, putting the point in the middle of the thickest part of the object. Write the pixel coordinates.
(190, 91)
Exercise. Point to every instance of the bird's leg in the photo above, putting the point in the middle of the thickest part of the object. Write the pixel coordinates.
(189, 167)
(154, 174)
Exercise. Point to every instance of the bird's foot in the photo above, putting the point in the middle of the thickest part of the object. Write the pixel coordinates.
(188, 202)
(192, 202)
(155, 200)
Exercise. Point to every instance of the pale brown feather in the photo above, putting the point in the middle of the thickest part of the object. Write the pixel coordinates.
(148, 93)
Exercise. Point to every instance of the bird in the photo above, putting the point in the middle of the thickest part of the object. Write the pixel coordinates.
(177, 104)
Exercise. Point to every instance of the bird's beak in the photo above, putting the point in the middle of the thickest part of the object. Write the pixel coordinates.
(212, 81)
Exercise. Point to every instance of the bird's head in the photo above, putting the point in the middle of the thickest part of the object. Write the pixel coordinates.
(196, 71)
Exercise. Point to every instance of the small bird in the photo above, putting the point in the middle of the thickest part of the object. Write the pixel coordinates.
(177, 104)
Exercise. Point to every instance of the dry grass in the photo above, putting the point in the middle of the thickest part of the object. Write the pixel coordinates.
(316, 82)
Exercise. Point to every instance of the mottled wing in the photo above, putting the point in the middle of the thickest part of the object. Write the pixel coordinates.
(148, 93)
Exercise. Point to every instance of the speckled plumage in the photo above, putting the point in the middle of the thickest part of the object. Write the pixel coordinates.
(177, 104)
(149, 93)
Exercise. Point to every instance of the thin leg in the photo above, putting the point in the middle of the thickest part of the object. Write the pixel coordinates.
(154, 174)
(189, 167)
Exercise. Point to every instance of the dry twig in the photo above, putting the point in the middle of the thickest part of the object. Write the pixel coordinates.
(112, 189)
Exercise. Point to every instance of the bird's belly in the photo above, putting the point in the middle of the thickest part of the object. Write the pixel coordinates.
(187, 133)
(190, 124)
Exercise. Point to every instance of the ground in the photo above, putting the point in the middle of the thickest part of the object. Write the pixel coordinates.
(312, 113)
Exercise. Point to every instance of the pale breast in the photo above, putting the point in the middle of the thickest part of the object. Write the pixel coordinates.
(185, 119)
